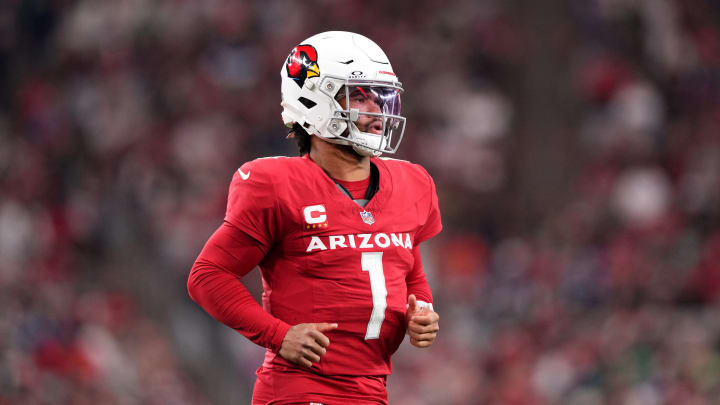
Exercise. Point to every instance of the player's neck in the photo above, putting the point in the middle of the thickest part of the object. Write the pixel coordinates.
(340, 162)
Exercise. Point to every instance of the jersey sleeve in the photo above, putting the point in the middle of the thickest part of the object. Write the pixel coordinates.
(433, 224)
(214, 284)
(416, 281)
(252, 203)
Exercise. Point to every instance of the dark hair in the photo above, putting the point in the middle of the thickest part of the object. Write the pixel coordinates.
(302, 138)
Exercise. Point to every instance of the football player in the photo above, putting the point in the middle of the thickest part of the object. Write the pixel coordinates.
(335, 233)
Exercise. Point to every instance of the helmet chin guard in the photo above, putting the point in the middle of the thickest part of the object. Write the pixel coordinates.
(329, 66)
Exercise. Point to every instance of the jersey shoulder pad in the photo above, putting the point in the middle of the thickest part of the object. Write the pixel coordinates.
(417, 184)
(253, 197)
(255, 181)
(407, 172)
(264, 171)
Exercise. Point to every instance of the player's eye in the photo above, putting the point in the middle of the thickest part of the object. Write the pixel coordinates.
(358, 97)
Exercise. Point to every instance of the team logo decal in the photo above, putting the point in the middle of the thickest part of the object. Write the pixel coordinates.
(367, 217)
(315, 216)
(302, 64)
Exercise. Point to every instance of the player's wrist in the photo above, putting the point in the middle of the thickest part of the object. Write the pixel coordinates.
(281, 330)
(423, 304)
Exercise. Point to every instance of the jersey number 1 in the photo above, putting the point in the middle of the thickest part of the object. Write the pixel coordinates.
(372, 263)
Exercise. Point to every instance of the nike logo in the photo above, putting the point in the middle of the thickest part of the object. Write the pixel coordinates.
(243, 175)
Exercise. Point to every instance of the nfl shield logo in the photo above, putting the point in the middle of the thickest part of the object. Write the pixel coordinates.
(367, 217)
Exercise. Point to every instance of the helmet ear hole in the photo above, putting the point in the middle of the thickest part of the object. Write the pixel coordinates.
(307, 102)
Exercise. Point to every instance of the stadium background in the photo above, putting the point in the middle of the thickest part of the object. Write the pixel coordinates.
(575, 145)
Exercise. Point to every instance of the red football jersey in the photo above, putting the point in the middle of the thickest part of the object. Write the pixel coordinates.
(331, 260)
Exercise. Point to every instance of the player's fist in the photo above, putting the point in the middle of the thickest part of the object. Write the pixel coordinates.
(422, 323)
(305, 343)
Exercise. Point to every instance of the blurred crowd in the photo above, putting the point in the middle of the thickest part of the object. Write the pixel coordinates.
(575, 145)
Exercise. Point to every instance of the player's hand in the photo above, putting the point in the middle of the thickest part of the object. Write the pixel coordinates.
(422, 324)
(305, 343)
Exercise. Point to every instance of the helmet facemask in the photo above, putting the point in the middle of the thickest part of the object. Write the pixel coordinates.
(370, 122)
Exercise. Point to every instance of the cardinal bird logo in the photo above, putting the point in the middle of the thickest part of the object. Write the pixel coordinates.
(302, 64)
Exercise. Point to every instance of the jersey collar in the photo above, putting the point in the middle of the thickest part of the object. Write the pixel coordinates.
(385, 185)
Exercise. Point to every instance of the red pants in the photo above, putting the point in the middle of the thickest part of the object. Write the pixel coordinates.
(288, 386)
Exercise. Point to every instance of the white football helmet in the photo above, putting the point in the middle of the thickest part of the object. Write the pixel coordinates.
(329, 66)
